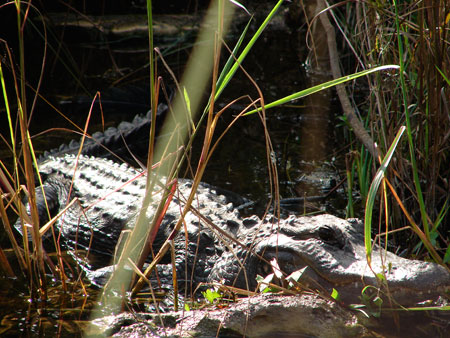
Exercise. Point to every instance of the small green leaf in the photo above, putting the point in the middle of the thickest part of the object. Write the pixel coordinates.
(381, 277)
(442, 74)
(211, 295)
(186, 307)
(447, 255)
(266, 290)
(187, 100)
(335, 294)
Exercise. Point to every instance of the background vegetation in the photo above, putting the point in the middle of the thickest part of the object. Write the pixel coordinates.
(413, 200)
(414, 35)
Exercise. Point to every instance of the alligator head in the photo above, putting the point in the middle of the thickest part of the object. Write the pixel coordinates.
(330, 253)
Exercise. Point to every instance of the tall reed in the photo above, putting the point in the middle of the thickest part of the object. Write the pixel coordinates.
(414, 35)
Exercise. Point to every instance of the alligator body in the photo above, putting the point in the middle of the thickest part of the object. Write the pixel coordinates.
(222, 246)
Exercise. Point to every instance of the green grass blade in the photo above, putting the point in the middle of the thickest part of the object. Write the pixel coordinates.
(373, 193)
(409, 128)
(8, 112)
(322, 86)
(443, 75)
(231, 59)
(247, 49)
(446, 259)
(233, 62)
(225, 70)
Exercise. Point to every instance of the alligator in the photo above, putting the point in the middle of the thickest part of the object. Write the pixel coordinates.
(223, 246)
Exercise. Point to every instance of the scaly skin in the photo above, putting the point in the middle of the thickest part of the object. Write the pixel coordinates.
(330, 249)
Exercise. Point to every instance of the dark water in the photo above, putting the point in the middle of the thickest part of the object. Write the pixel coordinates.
(304, 135)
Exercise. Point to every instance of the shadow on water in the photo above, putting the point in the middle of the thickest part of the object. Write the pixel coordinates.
(306, 144)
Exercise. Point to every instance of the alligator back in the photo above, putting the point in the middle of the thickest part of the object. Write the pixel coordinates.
(106, 197)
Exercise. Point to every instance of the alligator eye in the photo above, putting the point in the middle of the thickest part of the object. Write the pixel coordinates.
(326, 234)
(331, 236)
